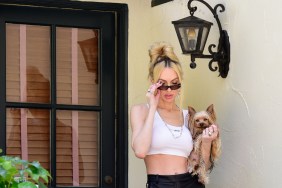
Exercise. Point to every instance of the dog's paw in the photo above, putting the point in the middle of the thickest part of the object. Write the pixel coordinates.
(190, 169)
(203, 180)
(194, 173)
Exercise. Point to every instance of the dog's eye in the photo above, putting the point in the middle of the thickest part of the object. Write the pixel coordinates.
(197, 120)
(206, 119)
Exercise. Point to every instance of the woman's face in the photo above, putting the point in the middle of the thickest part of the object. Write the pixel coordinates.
(169, 78)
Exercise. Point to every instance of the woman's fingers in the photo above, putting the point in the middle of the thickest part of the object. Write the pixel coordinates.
(210, 133)
(153, 88)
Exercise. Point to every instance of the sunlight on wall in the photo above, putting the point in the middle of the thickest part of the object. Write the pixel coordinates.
(247, 102)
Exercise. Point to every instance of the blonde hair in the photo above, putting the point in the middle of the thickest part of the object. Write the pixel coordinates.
(162, 56)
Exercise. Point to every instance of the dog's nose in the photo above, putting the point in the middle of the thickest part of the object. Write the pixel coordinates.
(202, 124)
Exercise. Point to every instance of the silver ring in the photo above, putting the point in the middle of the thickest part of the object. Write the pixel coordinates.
(149, 91)
(210, 133)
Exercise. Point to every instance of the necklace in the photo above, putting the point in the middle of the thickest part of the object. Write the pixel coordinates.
(176, 133)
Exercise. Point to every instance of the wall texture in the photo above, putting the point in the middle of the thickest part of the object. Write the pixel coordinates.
(248, 102)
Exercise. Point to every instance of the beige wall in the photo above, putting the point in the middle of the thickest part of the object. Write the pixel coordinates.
(248, 101)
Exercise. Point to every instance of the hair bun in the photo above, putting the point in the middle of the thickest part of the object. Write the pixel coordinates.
(161, 49)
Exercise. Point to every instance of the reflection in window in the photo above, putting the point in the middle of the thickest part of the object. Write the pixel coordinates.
(77, 66)
(28, 81)
(28, 63)
(28, 134)
(77, 148)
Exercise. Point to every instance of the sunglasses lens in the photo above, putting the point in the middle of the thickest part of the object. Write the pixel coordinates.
(172, 87)
(163, 87)
(176, 86)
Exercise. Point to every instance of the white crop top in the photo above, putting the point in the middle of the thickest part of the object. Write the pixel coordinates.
(163, 142)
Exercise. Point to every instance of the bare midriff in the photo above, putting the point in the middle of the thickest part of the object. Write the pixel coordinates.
(165, 164)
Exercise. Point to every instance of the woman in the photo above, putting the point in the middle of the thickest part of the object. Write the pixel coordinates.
(159, 128)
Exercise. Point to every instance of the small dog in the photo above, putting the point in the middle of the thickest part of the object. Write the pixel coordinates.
(198, 121)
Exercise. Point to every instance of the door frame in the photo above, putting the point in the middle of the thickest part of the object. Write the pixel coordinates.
(121, 64)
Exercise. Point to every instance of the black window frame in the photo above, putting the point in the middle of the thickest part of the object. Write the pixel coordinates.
(121, 12)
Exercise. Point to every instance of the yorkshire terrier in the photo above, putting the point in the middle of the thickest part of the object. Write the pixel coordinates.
(198, 121)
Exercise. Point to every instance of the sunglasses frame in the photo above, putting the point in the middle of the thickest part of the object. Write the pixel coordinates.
(172, 87)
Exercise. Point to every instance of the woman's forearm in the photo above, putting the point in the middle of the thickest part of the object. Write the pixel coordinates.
(209, 134)
(206, 152)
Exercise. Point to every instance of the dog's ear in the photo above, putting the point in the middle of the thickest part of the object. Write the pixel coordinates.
(191, 127)
(191, 111)
(211, 111)
(190, 124)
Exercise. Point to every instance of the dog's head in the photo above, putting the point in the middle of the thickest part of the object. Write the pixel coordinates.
(198, 121)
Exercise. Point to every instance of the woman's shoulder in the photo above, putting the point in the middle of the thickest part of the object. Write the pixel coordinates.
(140, 107)
(139, 111)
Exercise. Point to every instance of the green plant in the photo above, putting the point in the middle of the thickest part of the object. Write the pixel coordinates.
(18, 173)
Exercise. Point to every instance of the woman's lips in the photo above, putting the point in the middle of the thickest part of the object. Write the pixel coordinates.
(168, 96)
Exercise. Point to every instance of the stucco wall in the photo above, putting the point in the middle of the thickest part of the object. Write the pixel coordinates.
(248, 102)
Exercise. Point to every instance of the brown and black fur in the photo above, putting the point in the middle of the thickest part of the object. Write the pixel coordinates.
(198, 121)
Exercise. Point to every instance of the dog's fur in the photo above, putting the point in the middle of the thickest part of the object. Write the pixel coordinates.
(198, 121)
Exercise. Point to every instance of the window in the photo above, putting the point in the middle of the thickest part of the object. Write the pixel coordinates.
(64, 98)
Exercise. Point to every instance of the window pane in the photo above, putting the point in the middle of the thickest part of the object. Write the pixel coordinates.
(77, 66)
(28, 134)
(77, 148)
(28, 63)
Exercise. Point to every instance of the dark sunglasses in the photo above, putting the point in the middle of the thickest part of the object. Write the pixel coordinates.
(172, 87)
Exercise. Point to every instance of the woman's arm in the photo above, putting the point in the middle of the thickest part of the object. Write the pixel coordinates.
(142, 119)
(206, 144)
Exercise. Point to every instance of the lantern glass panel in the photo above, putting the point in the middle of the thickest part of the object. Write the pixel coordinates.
(204, 38)
(189, 36)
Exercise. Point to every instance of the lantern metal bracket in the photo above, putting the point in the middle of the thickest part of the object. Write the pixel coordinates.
(222, 56)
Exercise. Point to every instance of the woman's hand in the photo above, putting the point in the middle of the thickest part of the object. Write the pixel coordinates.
(210, 134)
(153, 94)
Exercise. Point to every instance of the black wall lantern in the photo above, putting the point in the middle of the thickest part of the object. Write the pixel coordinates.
(192, 33)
